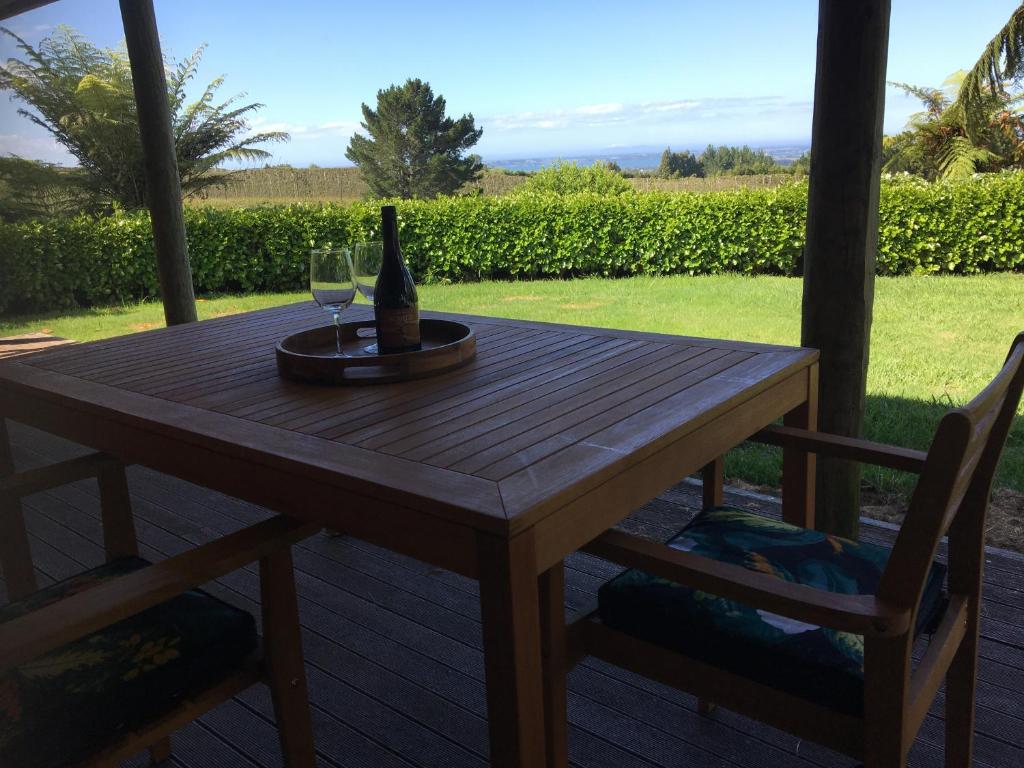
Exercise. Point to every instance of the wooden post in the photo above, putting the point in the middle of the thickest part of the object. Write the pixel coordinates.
(842, 232)
(163, 186)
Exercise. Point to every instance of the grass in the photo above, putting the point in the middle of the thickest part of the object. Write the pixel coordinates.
(936, 341)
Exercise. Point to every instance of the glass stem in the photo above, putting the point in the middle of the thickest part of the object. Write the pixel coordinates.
(337, 333)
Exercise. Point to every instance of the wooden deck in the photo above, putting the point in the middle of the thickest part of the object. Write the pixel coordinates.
(394, 656)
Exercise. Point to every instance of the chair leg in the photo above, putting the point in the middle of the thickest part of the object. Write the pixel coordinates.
(552, 612)
(884, 745)
(886, 682)
(286, 673)
(15, 554)
(966, 566)
(960, 693)
(161, 751)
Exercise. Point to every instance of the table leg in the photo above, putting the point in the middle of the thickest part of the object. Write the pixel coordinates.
(15, 554)
(510, 610)
(119, 538)
(712, 478)
(552, 618)
(798, 467)
(286, 673)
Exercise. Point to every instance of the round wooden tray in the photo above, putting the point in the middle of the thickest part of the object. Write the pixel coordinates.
(310, 356)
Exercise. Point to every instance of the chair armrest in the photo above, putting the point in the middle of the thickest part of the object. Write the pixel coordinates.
(859, 614)
(56, 625)
(53, 475)
(864, 451)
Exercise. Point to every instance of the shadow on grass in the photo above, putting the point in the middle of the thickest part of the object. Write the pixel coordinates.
(895, 420)
(114, 310)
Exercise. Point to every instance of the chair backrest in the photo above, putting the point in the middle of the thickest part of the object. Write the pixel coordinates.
(956, 481)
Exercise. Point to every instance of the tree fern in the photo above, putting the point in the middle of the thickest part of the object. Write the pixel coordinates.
(937, 143)
(83, 96)
(960, 158)
(1001, 62)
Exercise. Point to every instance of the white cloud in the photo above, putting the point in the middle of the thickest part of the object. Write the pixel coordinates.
(669, 106)
(35, 148)
(304, 131)
(598, 109)
(30, 31)
(639, 114)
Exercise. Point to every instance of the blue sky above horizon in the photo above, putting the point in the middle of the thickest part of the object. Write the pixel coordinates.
(542, 78)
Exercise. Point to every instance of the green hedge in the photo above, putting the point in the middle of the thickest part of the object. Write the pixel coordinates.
(964, 227)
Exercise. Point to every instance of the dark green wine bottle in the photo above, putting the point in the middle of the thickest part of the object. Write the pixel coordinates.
(396, 307)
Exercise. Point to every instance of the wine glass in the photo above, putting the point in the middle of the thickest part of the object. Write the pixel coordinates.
(333, 284)
(366, 260)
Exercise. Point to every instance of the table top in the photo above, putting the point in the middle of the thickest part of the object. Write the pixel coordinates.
(543, 414)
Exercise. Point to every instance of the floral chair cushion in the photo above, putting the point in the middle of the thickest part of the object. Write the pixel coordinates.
(819, 664)
(66, 705)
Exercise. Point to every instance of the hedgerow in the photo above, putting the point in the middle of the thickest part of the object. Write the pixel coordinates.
(946, 227)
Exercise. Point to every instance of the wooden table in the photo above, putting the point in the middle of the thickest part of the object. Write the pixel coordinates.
(496, 471)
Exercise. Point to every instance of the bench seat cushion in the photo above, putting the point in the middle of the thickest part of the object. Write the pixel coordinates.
(66, 705)
(816, 663)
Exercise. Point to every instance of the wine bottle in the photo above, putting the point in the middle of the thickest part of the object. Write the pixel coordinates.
(396, 308)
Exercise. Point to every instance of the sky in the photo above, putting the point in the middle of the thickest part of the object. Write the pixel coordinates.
(543, 79)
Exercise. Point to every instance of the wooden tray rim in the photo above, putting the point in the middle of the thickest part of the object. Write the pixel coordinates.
(394, 367)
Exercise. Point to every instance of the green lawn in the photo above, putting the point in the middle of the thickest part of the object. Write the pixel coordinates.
(936, 340)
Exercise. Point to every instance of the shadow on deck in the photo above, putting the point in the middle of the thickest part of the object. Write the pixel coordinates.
(394, 655)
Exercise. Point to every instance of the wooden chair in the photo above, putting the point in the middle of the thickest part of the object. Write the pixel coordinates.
(808, 632)
(110, 662)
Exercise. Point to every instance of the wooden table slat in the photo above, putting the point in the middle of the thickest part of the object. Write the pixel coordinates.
(608, 390)
(494, 366)
(520, 363)
(261, 363)
(280, 399)
(512, 454)
(228, 354)
(132, 348)
(548, 483)
(139, 424)
(496, 406)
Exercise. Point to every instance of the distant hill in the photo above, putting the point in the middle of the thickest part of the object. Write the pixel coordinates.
(633, 158)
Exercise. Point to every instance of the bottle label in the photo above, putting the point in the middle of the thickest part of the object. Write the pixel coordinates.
(398, 328)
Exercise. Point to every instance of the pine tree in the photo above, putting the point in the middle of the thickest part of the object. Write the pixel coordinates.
(413, 149)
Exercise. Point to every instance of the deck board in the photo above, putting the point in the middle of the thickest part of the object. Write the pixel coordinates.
(394, 655)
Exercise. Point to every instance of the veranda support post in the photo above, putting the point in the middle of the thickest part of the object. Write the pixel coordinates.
(163, 187)
(842, 232)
